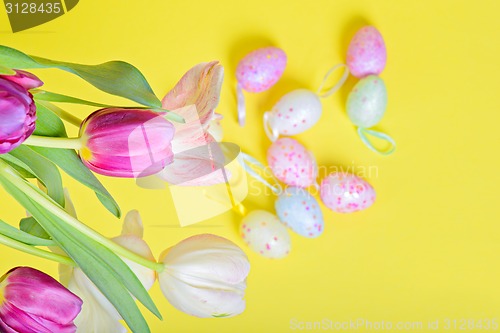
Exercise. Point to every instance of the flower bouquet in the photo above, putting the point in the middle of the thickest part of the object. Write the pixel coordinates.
(102, 278)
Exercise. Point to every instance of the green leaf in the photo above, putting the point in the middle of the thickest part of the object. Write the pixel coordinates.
(69, 161)
(6, 70)
(20, 166)
(108, 272)
(32, 227)
(47, 96)
(44, 170)
(48, 124)
(55, 97)
(26, 238)
(114, 77)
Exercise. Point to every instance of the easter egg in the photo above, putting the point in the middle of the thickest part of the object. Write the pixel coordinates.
(295, 112)
(292, 163)
(367, 102)
(346, 193)
(366, 53)
(261, 69)
(264, 234)
(299, 211)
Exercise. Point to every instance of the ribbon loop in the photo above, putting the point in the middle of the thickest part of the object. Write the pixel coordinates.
(337, 86)
(362, 132)
(269, 127)
(249, 162)
(241, 105)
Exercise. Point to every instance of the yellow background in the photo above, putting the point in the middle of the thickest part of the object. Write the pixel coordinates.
(427, 250)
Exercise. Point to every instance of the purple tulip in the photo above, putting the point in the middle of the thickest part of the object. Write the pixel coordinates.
(17, 109)
(126, 142)
(33, 302)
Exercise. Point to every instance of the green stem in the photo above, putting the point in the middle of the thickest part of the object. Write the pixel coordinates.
(53, 142)
(64, 115)
(35, 251)
(55, 209)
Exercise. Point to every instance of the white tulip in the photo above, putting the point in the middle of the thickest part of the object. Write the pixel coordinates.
(205, 276)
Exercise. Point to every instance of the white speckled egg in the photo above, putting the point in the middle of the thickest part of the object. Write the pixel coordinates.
(261, 69)
(295, 112)
(292, 163)
(298, 210)
(346, 193)
(264, 234)
(367, 102)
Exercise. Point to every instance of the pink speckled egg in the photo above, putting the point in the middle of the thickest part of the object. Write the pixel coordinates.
(366, 53)
(295, 112)
(261, 69)
(265, 234)
(292, 163)
(346, 193)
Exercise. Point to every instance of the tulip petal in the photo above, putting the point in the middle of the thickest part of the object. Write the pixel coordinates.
(6, 328)
(40, 295)
(23, 322)
(98, 314)
(200, 166)
(24, 79)
(201, 86)
(215, 128)
(126, 142)
(18, 114)
(201, 302)
(208, 256)
(135, 244)
(132, 224)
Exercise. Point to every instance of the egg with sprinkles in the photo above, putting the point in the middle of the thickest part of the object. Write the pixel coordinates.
(299, 211)
(346, 193)
(261, 69)
(366, 53)
(295, 112)
(367, 102)
(264, 234)
(292, 163)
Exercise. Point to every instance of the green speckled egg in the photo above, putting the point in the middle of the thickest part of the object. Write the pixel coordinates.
(367, 102)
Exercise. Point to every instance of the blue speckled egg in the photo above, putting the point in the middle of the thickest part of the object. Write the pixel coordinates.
(299, 211)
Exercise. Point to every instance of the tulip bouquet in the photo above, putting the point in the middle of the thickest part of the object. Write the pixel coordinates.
(101, 278)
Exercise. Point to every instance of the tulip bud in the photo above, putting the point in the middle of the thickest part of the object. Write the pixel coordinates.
(32, 301)
(126, 142)
(205, 276)
(17, 109)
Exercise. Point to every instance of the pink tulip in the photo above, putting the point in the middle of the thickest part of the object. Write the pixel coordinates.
(33, 302)
(126, 142)
(17, 109)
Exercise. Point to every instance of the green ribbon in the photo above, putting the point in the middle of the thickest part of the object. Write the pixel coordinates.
(363, 132)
